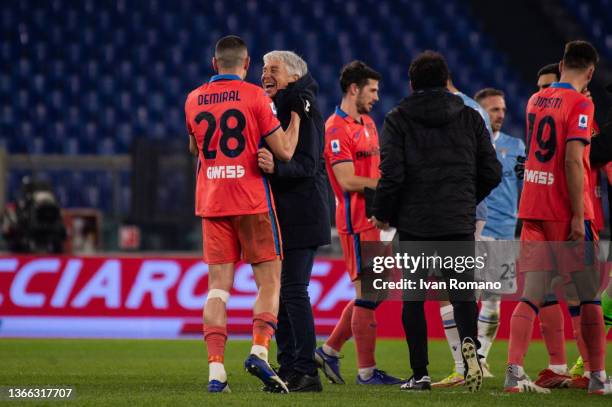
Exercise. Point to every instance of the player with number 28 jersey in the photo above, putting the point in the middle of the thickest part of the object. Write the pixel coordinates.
(229, 118)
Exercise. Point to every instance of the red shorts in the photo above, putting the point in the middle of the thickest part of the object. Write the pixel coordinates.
(256, 237)
(544, 247)
(351, 248)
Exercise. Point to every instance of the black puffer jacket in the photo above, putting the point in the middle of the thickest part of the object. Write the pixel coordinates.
(437, 164)
(300, 186)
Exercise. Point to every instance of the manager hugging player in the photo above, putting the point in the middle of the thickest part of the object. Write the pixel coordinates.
(300, 190)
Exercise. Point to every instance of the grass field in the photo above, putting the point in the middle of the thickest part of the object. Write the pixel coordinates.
(152, 372)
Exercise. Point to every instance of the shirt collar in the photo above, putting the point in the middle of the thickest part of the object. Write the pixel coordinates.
(346, 116)
(226, 76)
(564, 85)
(341, 112)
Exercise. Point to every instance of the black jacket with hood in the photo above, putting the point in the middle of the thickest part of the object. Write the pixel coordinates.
(300, 186)
(437, 164)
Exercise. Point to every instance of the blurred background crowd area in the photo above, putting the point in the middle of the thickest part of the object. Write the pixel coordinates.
(92, 92)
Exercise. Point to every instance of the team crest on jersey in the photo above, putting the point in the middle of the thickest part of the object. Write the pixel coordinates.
(335, 146)
(583, 121)
(273, 107)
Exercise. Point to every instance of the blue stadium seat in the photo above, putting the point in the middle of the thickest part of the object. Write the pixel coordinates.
(106, 72)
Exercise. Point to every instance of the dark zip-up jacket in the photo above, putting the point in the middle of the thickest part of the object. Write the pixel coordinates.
(437, 164)
(300, 186)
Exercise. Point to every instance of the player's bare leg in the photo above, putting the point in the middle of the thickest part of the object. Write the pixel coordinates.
(265, 312)
(220, 281)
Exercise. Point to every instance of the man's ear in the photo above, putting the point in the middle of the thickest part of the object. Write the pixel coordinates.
(247, 62)
(561, 68)
(590, 73)
(215, 65)
(353, 89)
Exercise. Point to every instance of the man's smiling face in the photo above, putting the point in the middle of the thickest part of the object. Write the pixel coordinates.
(275, 77)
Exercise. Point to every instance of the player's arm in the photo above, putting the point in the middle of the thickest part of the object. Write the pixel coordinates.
(349, 182)
(574, 173)
(282, 143)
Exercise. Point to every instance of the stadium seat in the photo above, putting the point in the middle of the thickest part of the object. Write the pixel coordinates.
(107, 72)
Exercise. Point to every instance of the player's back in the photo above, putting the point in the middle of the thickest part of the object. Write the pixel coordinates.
(555, 116)
(229, 118)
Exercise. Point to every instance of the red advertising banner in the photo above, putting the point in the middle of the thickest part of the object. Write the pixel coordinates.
(161, 297)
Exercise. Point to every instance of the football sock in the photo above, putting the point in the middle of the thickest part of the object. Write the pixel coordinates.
(521, 329)
(452, 337)
(593, 334)
(342, 331)
(553, 332)
(215, 338)
(366, 372)
(488, 325)
(264, 325)
(574, 311)
(363, 325)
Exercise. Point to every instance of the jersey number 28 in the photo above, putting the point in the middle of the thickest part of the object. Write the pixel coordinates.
(227, 133)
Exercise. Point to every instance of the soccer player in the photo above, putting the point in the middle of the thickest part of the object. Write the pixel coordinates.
(502, 206)
(547, 75)
(352, 157)
(556, 206)
(551, 321)
(227, 119)
(502, 202)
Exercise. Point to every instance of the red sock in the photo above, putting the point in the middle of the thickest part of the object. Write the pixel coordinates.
(363, 325)
(342, 331)
(593, 333)
(264, 325)
(521, 328)
(215, 338)
(553, 331)
(580, 342)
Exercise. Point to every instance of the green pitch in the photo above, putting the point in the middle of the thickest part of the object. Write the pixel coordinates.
(151, 372)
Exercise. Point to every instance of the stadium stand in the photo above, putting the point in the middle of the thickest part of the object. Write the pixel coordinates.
(90, 77)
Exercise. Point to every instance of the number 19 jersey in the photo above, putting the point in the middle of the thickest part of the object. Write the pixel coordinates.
(228, 118)
(555, 116)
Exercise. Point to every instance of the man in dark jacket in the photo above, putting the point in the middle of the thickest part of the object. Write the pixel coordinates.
(437, 165)
(300, 189)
